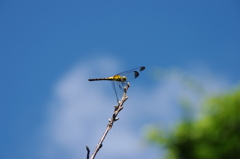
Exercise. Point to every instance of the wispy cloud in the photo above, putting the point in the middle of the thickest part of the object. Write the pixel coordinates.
(79, 110)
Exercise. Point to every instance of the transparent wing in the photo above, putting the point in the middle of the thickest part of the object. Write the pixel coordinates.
(132, 74)
(118, 88)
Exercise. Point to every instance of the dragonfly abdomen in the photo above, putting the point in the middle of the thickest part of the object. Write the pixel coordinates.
(100, 79)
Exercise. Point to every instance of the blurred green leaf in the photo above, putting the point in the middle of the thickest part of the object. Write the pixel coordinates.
(215, 136)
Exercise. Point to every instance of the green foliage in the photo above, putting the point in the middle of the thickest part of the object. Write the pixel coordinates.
(215, 136)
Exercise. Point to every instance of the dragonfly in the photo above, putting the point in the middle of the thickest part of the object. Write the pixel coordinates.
(121, 79)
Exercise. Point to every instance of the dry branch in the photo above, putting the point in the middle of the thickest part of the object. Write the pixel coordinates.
(114, 118)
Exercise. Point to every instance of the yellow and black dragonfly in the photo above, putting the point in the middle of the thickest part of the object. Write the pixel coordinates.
(121, 79)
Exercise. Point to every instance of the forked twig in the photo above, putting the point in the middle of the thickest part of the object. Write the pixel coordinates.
(114, 118)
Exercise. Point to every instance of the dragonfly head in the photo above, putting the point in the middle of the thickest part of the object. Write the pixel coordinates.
(124, 79)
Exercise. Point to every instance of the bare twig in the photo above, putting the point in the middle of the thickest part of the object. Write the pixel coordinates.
(114, 118)
(88, 152)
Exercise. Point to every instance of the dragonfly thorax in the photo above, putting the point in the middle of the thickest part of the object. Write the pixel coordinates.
(119, 78)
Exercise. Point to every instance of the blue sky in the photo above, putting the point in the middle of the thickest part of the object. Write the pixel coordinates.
(48, 50)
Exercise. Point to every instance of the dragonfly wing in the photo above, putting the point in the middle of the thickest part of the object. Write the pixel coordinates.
(118, 89)
(114, 88)
(132, 74)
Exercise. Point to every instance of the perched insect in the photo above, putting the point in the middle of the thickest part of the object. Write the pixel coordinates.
(121, 79)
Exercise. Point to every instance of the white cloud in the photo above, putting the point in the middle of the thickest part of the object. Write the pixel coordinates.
(79, 110)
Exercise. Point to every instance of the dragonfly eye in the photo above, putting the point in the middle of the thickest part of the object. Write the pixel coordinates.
(124, 78)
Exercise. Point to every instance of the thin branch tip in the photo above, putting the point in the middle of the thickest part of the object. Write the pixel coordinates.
(88, 151)
(114, 118)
